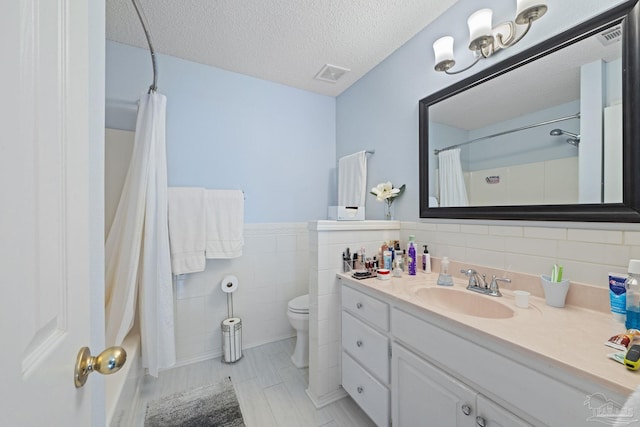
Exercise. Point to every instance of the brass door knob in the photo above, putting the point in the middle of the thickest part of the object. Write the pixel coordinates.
(107, 362)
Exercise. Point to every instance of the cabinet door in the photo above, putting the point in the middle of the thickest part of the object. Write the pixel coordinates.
(423, 395)
(496, 416)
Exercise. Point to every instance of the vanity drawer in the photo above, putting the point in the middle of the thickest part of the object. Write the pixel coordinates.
(368, 308)
(368, 393)
(366, 345)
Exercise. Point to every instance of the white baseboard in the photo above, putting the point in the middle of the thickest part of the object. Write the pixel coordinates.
(216, 354)
(322, 401)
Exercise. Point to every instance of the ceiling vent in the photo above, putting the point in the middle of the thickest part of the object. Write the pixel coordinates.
(331, 73)
(610, 36)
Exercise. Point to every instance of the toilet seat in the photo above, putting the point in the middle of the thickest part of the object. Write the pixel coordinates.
(299, 304)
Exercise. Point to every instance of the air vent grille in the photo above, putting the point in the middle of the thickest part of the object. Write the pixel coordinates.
(610, 36)
(331, 73)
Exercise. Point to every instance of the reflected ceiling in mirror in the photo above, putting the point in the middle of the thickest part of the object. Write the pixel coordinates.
(520, 134)
(540, 135)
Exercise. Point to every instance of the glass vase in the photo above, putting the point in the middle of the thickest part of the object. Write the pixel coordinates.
(388, 211)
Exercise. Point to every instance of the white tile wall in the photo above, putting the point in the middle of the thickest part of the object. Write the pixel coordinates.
(273, 269)
(588, 255)
(327, 241)
(550, 182)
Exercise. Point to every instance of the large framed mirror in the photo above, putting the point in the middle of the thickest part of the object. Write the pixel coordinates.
(551, 133)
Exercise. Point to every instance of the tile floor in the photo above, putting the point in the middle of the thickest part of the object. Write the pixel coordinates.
(270, 389)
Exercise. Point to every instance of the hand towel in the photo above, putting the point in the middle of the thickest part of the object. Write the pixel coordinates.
(225, 223)
(352, 179)
(187, 228)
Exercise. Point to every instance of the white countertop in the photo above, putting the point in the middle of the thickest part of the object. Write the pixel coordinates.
(571, 337)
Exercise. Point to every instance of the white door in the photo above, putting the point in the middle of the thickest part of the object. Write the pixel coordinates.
(51, 255)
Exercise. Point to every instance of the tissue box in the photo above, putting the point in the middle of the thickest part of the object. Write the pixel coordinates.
(350, 213)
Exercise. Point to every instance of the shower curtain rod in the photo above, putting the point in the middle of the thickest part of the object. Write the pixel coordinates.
(154, 85)
(575, 116)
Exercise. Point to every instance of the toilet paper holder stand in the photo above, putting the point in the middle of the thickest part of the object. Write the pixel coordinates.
(231, 327)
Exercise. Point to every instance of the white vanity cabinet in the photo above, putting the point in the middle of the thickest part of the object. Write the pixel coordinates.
(425, 395)
(418, 367)
(365, 353)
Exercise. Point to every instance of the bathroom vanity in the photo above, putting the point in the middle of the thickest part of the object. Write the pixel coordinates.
(411, 355)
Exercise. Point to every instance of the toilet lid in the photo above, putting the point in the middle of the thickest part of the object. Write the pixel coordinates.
(299, 304)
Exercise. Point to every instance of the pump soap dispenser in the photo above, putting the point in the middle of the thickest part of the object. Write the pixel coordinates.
(444, 278)
(426, 260)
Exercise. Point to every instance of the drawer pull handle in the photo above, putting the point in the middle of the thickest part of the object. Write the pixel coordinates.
(359, 343)
(359, 305)
(466, 409)
(481, 422)
(360, 389)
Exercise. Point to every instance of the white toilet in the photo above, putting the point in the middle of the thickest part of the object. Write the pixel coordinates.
(298, 313)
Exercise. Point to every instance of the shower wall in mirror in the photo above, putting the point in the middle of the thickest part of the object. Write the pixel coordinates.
(526, 135)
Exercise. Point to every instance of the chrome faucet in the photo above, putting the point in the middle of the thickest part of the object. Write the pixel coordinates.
(478, 283)
(475, 280)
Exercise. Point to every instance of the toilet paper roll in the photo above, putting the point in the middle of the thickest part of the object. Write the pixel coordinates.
(229, 284)
(232, 339)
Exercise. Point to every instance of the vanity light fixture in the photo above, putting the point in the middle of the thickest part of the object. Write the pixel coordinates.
(485, 40)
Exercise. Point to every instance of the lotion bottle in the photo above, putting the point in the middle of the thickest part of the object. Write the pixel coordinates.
(412, 256)
(426, 260)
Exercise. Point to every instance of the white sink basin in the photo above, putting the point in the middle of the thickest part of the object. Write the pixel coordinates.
(464, 302)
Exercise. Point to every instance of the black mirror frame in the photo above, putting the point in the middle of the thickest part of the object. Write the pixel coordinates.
(628, 211)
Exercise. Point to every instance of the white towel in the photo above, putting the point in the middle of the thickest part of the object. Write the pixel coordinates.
(187, 229)
(352, 179)
(225, 223)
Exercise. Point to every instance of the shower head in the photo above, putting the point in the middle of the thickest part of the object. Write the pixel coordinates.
(558, 132)
(574, 140)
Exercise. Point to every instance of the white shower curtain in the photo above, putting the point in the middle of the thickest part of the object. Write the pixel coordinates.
(138, 266)
(452, 189)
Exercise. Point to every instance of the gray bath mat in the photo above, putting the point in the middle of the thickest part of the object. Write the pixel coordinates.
(211, 405)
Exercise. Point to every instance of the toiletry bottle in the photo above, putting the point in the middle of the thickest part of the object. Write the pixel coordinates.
(381, 250)
(412, 255)
(632, 284)
(444, 278)
(386, 260)
(400, 262)
(397, 267)
(426, 260)
(405, 260)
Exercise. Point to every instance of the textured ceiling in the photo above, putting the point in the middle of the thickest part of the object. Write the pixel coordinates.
(284, 41)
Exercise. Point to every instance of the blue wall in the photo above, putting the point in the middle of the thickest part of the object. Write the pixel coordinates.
(380, 111)
(280, 145)
(227, 130)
